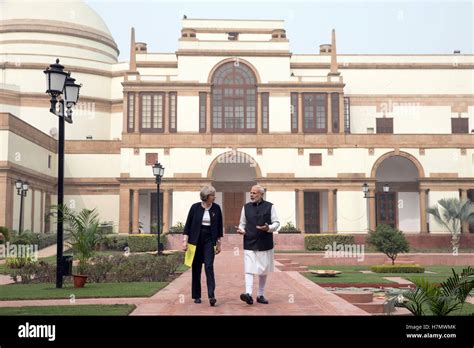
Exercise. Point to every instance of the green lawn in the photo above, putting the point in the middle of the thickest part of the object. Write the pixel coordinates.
(70, 310)
(351, 274)
(48, 290)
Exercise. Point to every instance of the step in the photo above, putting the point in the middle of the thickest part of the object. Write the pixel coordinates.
(284, 261)
(397, 312)
(375, 307)
(355, 296)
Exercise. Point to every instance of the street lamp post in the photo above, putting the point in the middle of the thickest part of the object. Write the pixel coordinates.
(21, 190)
(158, 171)
(59, 82)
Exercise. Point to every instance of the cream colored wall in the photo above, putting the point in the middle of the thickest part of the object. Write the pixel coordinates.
(135, 164)
(444, 161)
(433, 198)
(269, 68)
(280, 113)
(182, 201)
(116, 126)
(351, 212)
(27, 154)
(107, 206)
(285, 203)
(408, 118)
(391, 81)
(91, 166)
(4, 145)
(188, 113)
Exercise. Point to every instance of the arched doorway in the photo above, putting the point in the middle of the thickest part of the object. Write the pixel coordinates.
(400, 206)
(233, 173)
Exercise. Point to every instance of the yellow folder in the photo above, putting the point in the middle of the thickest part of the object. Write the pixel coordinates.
(189, 256)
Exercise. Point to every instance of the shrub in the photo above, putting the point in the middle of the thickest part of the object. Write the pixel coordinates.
(144, 242)
(45, 240)
(319, 241)
(99, 268)
(26, 237)
(115, 242)
(176, 229)
(389, 241)
(289, 228)
(397, 269)
(142, 268)
(106, 228)
(18, 262)
(4, 234)
(38, 272)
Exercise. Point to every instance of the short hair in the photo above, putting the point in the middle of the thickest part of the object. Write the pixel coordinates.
(206, 191)
(260, 188)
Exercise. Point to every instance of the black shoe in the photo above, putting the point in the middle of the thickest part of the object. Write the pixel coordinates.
(262, 299)
(246, 298)
(197, 300)
(212, 301)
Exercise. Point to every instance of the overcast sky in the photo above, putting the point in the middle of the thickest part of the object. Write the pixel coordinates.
(401, 27)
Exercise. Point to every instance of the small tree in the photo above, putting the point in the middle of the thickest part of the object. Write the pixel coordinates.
(451, 213)
(389, 241)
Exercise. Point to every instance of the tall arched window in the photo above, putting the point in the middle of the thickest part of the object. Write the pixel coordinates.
(234, 99)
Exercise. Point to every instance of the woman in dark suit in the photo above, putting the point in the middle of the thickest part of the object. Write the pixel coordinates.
(203, 228)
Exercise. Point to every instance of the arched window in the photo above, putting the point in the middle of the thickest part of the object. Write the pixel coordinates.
(234, 99)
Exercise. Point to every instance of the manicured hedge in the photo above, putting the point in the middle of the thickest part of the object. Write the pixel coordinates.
(317, 242)
(397, 269)
(144, 242)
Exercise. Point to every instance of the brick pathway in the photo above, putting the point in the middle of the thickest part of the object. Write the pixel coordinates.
(289, 293)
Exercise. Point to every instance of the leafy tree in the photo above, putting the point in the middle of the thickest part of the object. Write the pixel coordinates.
(389, 241)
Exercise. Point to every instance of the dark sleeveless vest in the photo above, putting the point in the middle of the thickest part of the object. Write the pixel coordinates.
(258, 214)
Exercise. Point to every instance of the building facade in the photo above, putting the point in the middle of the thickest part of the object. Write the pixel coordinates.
(232, 107)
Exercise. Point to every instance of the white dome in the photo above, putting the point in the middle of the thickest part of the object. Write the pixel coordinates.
(67, 11)
(28, 26)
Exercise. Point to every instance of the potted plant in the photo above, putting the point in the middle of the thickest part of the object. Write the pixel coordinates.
(84, 232)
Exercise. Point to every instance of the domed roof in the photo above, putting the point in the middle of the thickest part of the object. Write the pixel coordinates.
(66, 11)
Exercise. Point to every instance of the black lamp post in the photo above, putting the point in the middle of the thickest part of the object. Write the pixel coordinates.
(59, 82)
(158, 171)
(21, 190)
(365, 189)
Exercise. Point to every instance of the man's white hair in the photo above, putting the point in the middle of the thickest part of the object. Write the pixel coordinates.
(260, 188)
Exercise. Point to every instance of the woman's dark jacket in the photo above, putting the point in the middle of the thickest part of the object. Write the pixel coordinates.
(192, 228)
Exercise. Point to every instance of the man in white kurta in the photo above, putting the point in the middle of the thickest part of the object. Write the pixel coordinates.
(258, 221)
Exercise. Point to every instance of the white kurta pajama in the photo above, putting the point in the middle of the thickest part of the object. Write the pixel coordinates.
(259, 262)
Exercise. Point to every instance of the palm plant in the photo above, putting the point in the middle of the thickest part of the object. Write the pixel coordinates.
(440, 300)
(451, 213)
(84, 233)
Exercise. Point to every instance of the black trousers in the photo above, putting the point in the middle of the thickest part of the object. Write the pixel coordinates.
(204, 254)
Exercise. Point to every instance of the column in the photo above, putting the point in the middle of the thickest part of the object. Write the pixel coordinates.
(6, 202)
(41, 212)
(136, 203)
(166, 210)
(329, 113)
(372, 217)
(208, 112)
(300, 200)
(32, 210)
(331, 211)
(125, 112)
(423, 227)
(124, 215)
(300, 113)
(465, 224)
(47, 208)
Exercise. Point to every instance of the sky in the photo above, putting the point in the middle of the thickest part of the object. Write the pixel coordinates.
(362, 27)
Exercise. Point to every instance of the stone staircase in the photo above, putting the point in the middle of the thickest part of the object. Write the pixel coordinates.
(365, 301)
(289, 265)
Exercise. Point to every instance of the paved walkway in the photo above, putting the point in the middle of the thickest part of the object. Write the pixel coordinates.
(289, 293)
